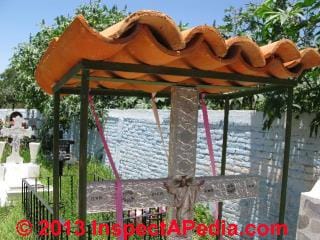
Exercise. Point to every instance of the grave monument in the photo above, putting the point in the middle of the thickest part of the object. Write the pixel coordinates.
(181, 190)
(146, 53)
(309, 215)
(14, 169)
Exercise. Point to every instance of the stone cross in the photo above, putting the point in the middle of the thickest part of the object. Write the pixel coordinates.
(181, 190)
(16, 132)
(179, 193)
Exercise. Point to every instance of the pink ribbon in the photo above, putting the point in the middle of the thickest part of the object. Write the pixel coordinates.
(118, 184)
(209, 140)
(157, 119)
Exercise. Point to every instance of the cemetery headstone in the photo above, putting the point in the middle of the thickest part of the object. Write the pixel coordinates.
(181, 190)
(14, 169)
(309, 215)
(17, 132)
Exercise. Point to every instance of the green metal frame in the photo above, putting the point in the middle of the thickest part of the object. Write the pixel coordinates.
(285, 167)
(224, 152)
(82, 196)
(56, 108)
(264, 84)
(143, 68)
(159, 83)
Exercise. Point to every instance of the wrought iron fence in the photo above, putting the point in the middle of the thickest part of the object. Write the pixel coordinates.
(135, 217)
(36, 209)
(37, 206)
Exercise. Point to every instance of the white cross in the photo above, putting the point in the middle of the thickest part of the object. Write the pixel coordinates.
(16, 132)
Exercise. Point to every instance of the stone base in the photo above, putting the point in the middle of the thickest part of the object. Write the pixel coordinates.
(14, 159)
(309, 215)
(9, 196)
(3, 194)
(11, 175)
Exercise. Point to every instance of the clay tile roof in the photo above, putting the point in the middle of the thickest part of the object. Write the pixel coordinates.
(153, 38)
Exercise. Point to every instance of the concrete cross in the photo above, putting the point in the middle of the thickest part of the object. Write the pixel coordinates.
(177, 192)
(181, 190)
(16, 132)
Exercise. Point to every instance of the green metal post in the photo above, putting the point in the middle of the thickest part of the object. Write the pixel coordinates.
(285, 167)
(56, 109)
(82, 204)
(224, 151)
(225, 136)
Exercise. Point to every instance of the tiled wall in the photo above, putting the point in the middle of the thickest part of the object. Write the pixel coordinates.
(139, 153)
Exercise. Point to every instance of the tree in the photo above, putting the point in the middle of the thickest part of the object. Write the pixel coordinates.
(274, 20)
(270, 21)
(8, 91)
(27, 55)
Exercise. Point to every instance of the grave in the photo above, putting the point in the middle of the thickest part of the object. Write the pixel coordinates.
(181, 190)
(309, 215)
(14, 170)
(146, 54)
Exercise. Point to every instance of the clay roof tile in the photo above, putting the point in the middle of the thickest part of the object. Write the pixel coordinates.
(153, 38)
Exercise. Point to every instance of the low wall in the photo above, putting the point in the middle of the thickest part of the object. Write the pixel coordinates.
(138, 152)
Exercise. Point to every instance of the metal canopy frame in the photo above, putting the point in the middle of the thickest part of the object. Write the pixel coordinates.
(264, 84)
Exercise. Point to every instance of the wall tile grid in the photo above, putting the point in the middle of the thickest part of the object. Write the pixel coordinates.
(138, 151)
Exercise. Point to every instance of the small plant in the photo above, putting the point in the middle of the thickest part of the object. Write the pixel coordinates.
(6, 153)
(203, 215)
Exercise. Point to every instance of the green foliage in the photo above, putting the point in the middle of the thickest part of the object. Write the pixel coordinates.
(183, 26)
(9, 218)
(272, 21)
(6, 153)
(202, 215)
(27, 55)
(8, 90)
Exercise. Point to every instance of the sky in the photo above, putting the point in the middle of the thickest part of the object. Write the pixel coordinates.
(20, 18)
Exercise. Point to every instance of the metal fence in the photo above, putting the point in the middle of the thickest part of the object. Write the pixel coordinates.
(37, 206)
(36, 209)
(147, 217)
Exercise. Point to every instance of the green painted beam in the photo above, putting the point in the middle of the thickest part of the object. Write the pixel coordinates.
(82, 189)
(286, 158)
(143, 68)
(165, 94)
(113, 92)
(224, 152)
(56, 162)
(73, 71)
(244, 93)
(162, 83)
